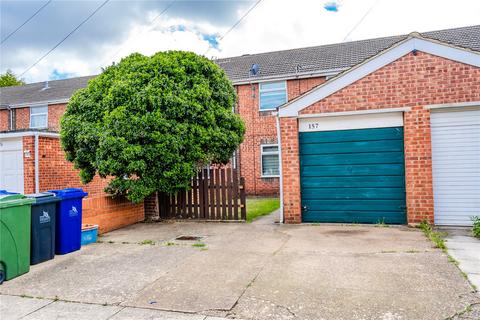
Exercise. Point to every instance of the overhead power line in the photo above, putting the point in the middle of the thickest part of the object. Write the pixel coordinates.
(235, 24)
(360, 21)
(26, 21)
(66, 37)
(139, 33)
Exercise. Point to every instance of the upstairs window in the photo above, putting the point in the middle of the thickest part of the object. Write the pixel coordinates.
(270, 161)
(39, 117)
(272, 95)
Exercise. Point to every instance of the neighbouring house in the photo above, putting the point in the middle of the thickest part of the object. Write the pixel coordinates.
(263, 83)
(31, 158)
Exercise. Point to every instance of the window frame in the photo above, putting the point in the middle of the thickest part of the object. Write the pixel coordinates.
(262, 153)
(260, 91)
(37, 114)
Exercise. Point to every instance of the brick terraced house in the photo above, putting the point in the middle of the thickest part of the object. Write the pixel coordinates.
(290, 79)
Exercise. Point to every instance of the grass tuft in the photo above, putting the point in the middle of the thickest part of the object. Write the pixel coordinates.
(199, 245)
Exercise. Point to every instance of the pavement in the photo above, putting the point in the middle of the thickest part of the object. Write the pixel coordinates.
(465, 248)
(261, 270)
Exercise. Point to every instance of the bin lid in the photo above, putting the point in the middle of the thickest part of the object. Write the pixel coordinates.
(69, 193)
(2, 192)
(13, 200)
(43, 197)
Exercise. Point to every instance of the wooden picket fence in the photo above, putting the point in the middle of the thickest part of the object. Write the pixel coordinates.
(215, 194)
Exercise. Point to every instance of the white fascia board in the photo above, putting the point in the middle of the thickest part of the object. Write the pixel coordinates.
(343, 80)
(291, 76)
(7, 135)
(349, 122)
(447, 51)
(452, 105)
(38, 103)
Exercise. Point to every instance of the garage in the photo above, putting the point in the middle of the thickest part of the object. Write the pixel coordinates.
(352, 175)
(456, 165)
(11, 164)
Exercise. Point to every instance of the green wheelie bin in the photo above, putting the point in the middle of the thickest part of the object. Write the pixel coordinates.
(15, 219)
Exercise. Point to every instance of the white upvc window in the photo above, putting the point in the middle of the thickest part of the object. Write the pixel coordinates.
(270, 160)
(272, 95)
(39, 117)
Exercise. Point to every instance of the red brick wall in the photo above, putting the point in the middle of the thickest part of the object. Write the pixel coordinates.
(57, 173)
(4, 120)
(55, 112)
(411, 81)
(22, 118)
(291, 170)
(261, 129)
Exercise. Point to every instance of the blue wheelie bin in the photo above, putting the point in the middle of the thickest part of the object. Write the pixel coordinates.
(5, 192)
(68, 229)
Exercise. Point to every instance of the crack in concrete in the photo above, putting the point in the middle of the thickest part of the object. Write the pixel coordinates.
(37, 309)
(288, 237)
(113, 315)
(466, 310)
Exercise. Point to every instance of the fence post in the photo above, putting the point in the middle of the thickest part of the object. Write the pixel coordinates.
(243, 202)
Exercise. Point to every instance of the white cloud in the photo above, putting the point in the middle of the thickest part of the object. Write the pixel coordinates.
(272, 25)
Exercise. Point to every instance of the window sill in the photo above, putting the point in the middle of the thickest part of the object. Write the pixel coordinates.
(268, 112)
(269, 177)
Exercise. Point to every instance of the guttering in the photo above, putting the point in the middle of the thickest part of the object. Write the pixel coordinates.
(280, 166)
(37, 170)
(36, 103)
(290, 76)
(19, 134)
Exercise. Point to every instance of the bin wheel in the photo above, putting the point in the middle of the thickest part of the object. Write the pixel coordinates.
(2, 274)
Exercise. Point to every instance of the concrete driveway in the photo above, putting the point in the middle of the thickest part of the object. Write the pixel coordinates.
(249, 271)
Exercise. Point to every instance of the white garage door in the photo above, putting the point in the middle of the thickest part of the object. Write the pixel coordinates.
(11, 165)
(456, 165)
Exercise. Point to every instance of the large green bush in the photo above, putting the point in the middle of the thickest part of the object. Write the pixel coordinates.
(150, 122)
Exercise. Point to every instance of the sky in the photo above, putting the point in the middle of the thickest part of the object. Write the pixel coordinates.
(121, 27)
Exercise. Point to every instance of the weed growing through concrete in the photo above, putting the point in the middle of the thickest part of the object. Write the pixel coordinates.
(412, 251)
(199, 245)
(170, 243)
(452, 260)
(476, 226)
(436, 237)
(381, 223)
(148, 241)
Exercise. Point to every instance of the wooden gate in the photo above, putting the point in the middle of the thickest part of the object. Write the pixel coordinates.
(215, 194)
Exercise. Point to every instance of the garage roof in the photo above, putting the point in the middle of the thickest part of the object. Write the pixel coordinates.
(303, 62)
(414, 42)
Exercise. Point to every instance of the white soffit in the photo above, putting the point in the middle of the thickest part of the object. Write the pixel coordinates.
(292, 108)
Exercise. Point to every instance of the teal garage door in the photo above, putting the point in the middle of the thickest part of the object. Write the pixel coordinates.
(353, 176)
